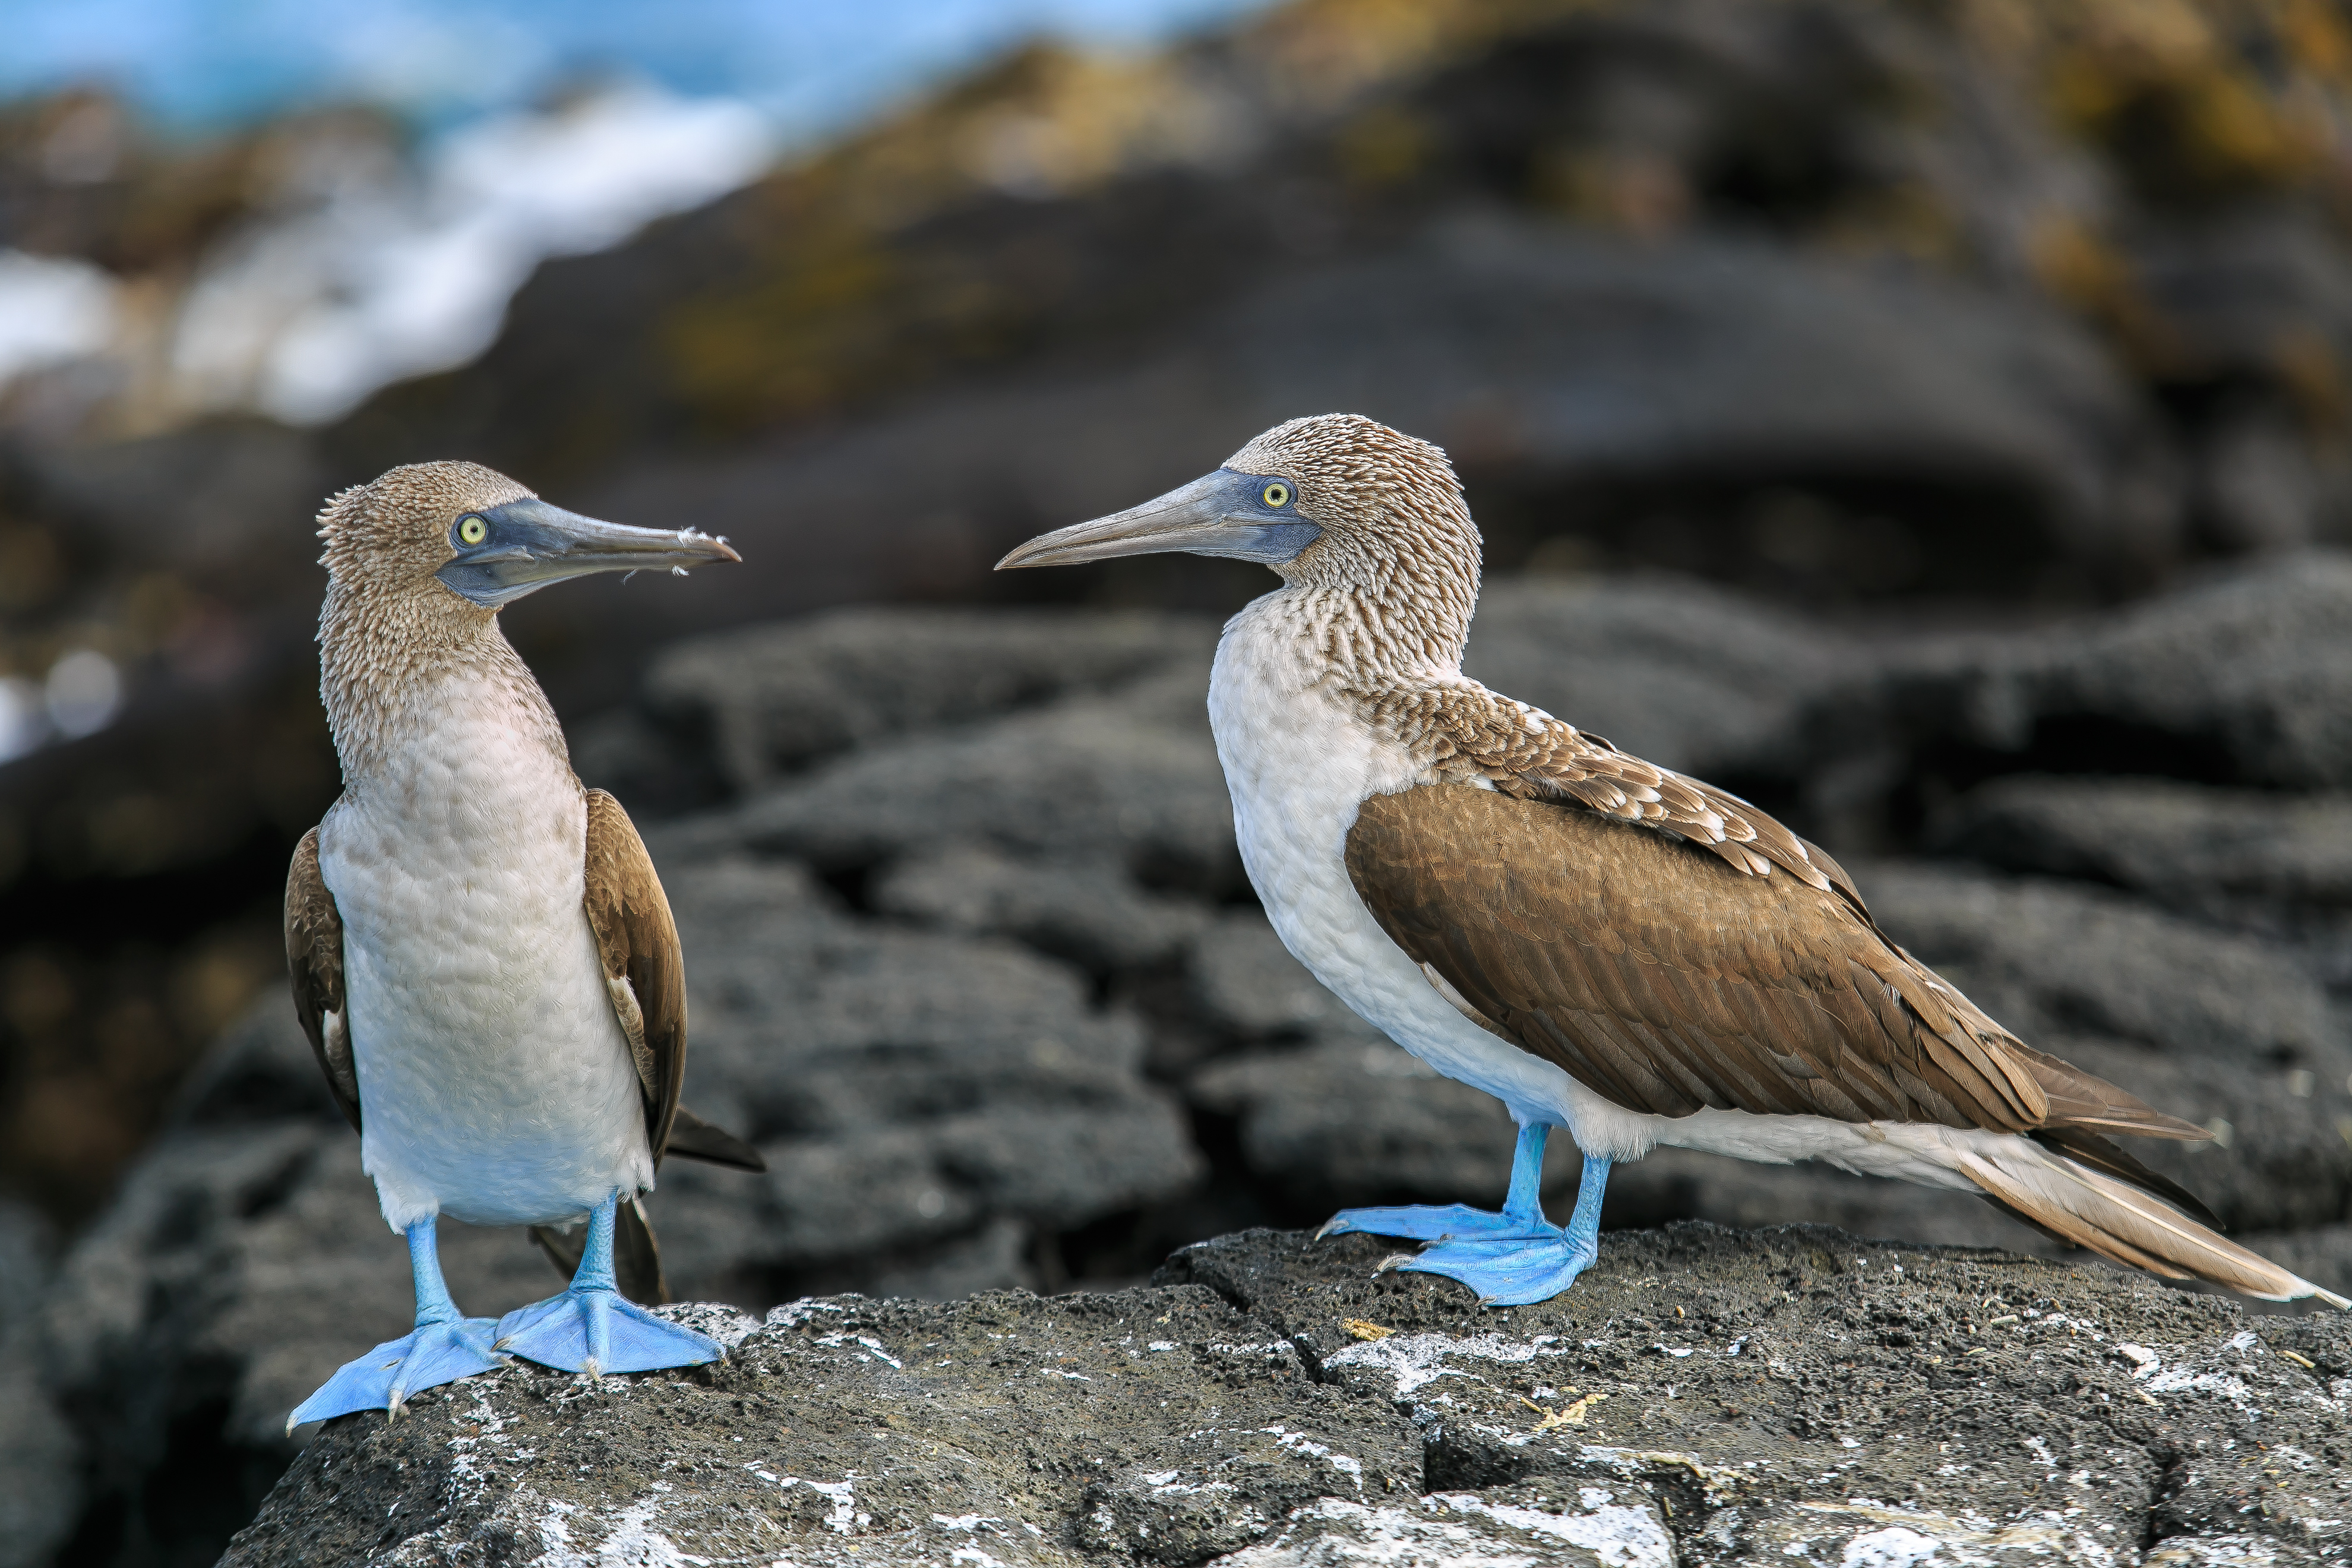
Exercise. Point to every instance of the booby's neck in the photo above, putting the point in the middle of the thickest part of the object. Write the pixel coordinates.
(398, 670)
(1369, 618)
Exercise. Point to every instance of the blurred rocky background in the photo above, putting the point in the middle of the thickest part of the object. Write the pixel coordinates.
(1926, 417)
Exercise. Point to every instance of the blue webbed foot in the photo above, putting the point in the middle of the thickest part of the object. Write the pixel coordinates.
(428, 1357)
(1514, 1259)
(1507, 1270)
(593, 1328)
(1422, 1222)
(597, 1329)
(444, 1346)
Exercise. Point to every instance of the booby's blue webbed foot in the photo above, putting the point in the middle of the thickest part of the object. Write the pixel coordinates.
(1507, 1270)
(593, 1328)
(1514, 1259)
(444, 1346)
(1426, 1222)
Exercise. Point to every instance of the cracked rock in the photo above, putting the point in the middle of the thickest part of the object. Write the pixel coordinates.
(1700, 1395)
(1089, 912)
(773, 698)
(2219, 849)
(2245, 678)
(1677, 672)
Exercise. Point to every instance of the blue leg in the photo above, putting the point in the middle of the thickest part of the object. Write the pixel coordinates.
(593, 1328)
(1512, 1258)
(444, 1346)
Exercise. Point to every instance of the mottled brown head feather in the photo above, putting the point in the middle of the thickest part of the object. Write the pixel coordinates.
(387, 622)
(392, 533)
(1397, 535)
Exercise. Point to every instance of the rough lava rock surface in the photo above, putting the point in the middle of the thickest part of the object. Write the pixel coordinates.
(1791, 1395)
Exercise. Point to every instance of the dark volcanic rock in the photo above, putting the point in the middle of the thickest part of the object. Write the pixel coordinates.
(1676, 671)
(1091, 913)
(40, 1483)
(2245, 678)
(1135, 782)
(773, 698)
(2228, 852)
(1355, 1119)
(1699, 1395)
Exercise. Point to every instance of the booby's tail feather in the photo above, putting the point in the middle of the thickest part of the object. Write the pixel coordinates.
(2123, 1223)
(637, 1255)
(692, 1138)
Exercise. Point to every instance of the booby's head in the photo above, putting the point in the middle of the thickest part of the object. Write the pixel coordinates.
(468, 540)
(1334, 501)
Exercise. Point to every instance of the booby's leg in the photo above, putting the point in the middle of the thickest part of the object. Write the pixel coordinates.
(1513, 1259)
(444, 1346)
(1522, 1207)
(593, 1328)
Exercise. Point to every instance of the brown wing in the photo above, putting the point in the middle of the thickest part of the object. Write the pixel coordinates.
(314, 962)
(1669, 980)
(645, 972)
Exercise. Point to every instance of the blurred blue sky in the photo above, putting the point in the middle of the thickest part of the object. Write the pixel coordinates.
(811, 65)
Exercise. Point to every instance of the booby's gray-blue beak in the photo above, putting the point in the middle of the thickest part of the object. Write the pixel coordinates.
(1245, 517)
(506, 552)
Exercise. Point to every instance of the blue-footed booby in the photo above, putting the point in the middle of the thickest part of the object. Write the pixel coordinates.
(480, 950)
(1605, 945)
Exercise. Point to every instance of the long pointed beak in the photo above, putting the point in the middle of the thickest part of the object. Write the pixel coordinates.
(531, 544)
(1214, 515)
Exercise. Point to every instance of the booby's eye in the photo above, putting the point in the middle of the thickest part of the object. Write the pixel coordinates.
(472, 529)
(1276, 494)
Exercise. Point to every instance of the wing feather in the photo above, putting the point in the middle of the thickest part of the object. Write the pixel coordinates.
(644, 972)
(314, 963)
(1668, 984)
(645, 968)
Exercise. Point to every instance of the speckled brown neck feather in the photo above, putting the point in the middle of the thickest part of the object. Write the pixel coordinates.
(389, 633)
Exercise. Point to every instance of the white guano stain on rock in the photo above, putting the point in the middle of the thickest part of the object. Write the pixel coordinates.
(1460, 1529)
(841, 1516)
(870, 1348)
(1299, 1443)
(1413, 1360)
(1904, 1537)
(723, 1323)
(2212, 1552)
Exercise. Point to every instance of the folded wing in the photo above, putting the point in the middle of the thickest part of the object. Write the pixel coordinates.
(1669, 980)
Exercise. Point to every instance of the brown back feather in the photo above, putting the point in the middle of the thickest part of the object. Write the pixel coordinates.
(1669, 981)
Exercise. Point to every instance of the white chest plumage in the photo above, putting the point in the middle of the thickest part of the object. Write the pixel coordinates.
(495, 1083)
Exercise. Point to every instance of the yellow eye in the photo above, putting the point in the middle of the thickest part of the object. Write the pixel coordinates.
(1275, 494)
(472, 530)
